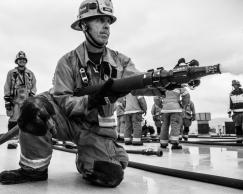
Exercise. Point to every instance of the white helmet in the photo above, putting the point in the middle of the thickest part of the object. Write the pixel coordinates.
(93, 8)
(20, 55)
(235, 82)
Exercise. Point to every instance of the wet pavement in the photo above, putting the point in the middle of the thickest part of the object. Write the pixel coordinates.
(64, 178)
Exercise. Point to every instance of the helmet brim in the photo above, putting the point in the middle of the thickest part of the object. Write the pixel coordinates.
(76, 25)
(20, 58)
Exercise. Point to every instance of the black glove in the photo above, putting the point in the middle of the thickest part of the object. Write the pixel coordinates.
(8, 106)
(31, 94)
(181, 60)
(172, 86)
(193, 62)
(8, 102)
(194, 83)
(34, 116)
(100, 97)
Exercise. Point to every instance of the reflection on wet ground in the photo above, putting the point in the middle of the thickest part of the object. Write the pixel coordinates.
(216, 160)
(64, 178)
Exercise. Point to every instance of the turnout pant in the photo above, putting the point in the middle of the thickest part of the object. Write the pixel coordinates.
(95, 149)
(175, 121)
(133, 125)
(238, 122)
(121, 125)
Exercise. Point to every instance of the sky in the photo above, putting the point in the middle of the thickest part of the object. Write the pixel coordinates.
(152, 33)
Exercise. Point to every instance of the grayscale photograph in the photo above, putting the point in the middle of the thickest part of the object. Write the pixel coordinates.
(121, 96)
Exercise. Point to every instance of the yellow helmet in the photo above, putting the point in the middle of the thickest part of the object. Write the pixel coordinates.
(93, 8)
(20, 55)
(235, 82)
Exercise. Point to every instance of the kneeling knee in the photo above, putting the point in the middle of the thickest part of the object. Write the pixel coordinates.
(105, 174)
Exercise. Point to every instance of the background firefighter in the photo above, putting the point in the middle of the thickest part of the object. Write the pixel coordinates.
(156, 113)
(136, 106)
(236, 106)
(172, 116)
(120, 109)
(188, 115)
(19, 85)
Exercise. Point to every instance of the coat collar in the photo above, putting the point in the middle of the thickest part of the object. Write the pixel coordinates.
(83, 55)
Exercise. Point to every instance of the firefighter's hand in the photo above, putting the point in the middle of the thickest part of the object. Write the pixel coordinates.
(229, 114)
(194, 83)
(173, 86)
(193, 117)
(193, 62)
(100, 97)
(8, 106)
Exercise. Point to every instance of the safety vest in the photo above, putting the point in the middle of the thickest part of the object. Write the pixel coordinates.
(236, 100)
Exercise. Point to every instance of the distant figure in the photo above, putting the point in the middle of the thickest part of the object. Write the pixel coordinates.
(156, 113)
(236, 106)
(188, 116)
(19, 85)
(172, 116)
(136, 106)
(120, 109)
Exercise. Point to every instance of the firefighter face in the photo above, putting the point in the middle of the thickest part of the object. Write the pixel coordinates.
(99, 28)
(236, 86)
(21, 62)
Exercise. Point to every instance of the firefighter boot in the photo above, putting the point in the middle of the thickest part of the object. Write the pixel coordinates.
(12, 146)
(163, 145)
(176, 146)
(22, 176)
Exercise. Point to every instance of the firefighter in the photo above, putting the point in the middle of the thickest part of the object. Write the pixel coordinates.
(88, 120)
(156, 113)
(172, 116)
(236, 106)
(120, 109)
(188, 115)
(136, 106)
(19, 85)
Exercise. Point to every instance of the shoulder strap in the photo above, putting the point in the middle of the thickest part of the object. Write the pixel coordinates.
(82, 72)
(14, 75)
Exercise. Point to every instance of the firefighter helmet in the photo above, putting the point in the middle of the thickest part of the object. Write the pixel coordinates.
(235, 82)
(93, 8)
(20, 55)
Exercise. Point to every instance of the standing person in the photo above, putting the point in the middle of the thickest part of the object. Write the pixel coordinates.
(172, 116)
(236, 106)
(19, 85)
(188, 115)
(85, 120)
(120, 109)
(156, 113)
(136, 106)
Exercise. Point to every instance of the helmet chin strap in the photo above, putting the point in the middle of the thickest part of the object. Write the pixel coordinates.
(90, 38)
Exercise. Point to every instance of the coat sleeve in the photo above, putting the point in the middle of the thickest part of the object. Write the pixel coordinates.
(33, 90)
(64, 85)
(142, 103)
(153, 110)
(230, 105)
(193, 108)
(7, 85)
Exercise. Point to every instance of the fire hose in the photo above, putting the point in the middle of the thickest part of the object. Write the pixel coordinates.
(212, 179)
(224, 181)
(147, 152)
